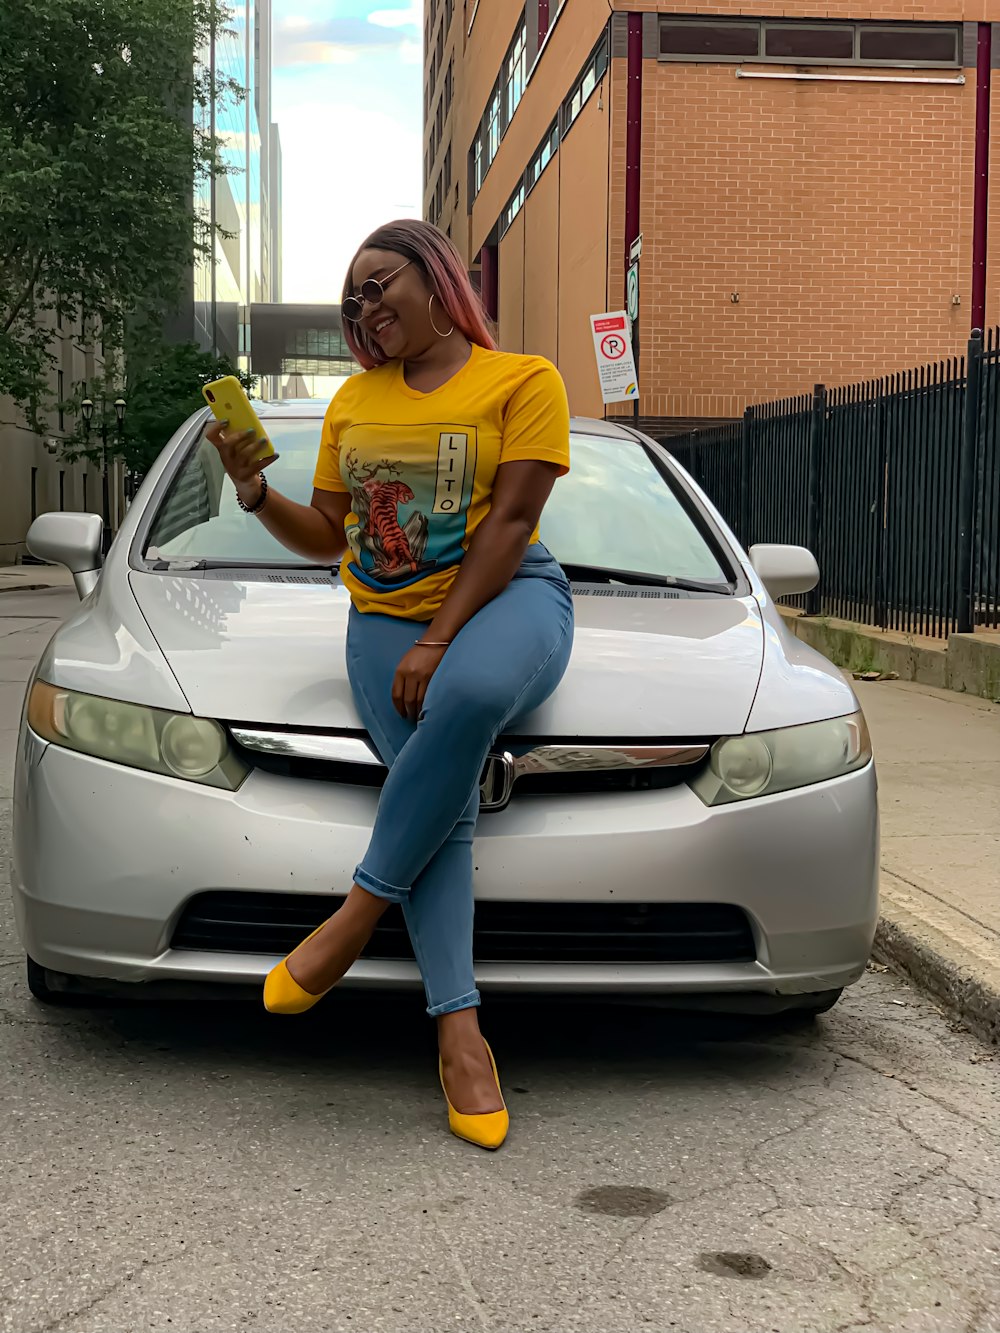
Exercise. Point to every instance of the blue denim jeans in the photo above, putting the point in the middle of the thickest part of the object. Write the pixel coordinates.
(505, 662)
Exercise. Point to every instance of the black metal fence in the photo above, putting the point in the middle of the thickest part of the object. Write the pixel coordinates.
(893, 483)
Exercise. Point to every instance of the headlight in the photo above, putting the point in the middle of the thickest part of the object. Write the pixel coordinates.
(174, 744)
(761, 763)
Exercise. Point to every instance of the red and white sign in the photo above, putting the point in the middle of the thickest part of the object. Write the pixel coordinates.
(615, 361)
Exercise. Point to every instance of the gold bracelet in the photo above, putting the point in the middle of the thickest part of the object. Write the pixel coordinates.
(424, 643)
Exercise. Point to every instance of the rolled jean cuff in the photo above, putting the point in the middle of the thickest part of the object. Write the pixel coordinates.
(468, 1001)
(379, 888)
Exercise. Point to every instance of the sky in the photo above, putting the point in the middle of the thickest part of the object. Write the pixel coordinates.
(347, 97)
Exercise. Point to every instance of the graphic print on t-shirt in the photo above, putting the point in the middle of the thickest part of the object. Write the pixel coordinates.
(410, 490)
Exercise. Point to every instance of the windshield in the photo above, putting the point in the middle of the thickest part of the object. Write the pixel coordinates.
(614, 511)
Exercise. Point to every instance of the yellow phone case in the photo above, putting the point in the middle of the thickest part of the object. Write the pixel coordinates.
(228, 401)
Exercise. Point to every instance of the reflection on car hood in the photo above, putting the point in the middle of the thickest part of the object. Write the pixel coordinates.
(642, 665)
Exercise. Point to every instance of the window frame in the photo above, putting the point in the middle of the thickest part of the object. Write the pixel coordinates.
(763, 26)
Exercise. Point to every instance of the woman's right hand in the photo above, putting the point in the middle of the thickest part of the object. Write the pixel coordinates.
(239, 451)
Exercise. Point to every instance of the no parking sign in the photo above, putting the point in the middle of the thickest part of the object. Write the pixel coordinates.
(615, 361)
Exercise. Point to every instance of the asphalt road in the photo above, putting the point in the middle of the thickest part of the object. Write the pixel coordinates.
(196, 1169)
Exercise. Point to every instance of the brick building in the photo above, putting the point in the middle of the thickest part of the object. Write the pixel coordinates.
(802, 173)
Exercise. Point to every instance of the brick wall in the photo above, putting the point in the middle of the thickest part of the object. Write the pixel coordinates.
(840, 214)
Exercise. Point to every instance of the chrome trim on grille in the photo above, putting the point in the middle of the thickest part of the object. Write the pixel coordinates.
(308, 745)
(509, 767)
(605, 758)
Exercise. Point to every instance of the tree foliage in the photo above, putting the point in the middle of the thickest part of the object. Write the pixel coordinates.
(164, 388)
(100, 157)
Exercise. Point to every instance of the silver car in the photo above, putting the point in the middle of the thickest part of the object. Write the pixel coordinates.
(692, 817)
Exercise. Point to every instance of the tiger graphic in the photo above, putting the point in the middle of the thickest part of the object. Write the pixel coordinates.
(396, 550)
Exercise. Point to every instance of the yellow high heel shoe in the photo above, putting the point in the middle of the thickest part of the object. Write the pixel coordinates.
(487, 1130)
(283, 994)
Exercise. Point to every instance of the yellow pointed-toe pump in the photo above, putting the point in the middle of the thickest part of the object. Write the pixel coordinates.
(487, 1130)
(283, 994)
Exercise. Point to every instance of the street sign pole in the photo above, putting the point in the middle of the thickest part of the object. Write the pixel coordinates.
(632, 308)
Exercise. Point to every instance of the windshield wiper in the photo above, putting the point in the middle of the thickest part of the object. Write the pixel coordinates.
(187, 564)
(600, 574)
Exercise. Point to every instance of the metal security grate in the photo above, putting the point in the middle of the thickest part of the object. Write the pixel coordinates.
(273, 923)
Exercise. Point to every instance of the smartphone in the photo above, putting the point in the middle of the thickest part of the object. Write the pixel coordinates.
(228, 401)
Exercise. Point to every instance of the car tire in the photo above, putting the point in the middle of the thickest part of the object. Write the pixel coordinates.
(38, 984)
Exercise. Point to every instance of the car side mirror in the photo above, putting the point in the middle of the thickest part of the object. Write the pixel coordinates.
(784, 570)
(73, 540)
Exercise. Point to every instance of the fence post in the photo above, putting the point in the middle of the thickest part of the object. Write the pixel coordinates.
(693, 465)
(745, 473)
(816, 425)
(964, 593)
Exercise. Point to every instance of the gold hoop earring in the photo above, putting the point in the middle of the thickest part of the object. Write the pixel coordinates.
(430, 315)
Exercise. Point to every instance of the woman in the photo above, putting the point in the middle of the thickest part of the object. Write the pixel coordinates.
(434, 467)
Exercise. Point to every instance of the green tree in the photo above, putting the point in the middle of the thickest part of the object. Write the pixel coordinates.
(100, 158)
(163, 389)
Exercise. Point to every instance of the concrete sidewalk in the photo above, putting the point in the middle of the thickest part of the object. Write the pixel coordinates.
(938, 758)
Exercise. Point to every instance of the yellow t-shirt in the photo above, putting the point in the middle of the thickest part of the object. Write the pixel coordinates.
(420, 469)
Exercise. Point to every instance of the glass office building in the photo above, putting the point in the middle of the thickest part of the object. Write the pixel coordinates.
(243, 264)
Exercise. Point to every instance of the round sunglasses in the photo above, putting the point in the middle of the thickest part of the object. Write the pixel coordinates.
(372, 293)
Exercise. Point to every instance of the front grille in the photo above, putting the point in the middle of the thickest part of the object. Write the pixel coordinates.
(531, 784)
(521, 932)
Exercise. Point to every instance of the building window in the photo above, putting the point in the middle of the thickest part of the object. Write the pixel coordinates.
(909, 46)
(61, 391)
(515, 69)
(798, 41)
(447, 169)
(500, 108)
(34, 494)
(493, 132)
(439, 48)
(85, 492)
(810, 43)
(439, 121)
(514, 206)
(546, 152)
(540, 160)
(449, 85)
(438, 200)
(594, 70)
(449, 10)
(62, 491)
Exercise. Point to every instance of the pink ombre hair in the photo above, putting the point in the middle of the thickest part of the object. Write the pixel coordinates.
(433, 254)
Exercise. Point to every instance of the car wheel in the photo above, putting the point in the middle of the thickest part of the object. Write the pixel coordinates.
(38, 984)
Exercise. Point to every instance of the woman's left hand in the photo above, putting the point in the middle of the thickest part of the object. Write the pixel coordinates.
(413, 675)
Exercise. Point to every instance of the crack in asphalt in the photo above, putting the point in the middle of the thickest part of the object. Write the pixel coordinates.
(144, 1267)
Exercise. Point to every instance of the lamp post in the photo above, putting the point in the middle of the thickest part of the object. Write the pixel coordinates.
(87, 411)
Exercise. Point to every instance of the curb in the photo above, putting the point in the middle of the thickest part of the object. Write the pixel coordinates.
(28, 587)
(951, 974)
(963, 663)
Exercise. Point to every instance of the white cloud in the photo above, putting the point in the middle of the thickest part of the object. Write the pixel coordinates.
(411, 53)
(320, 53)
(325, 215)
(410, 17)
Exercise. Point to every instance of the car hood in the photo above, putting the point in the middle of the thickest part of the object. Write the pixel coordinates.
(644, 664)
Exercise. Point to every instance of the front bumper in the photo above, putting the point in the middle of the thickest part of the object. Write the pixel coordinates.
(105, 859)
